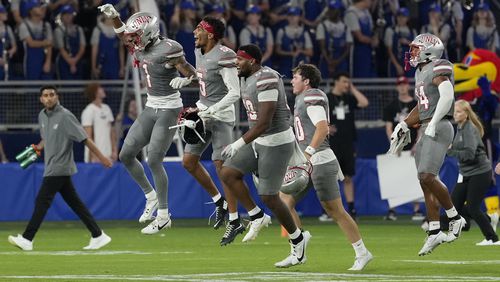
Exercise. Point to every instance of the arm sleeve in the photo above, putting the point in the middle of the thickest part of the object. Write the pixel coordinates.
(270, 37)
(267, 87)
(87, 117)
(445, 101)
(74, 129)
(230, 78)
(83, 40)
(23, 31)
(58, 38)
(389, 33)
(308, 42)
(316, 114)
(351, 20)
(442, 68)
(48, 28)
(320, 32)
(244, 36)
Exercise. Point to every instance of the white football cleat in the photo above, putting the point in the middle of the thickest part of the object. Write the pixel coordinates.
(361, 261)
(255, 226)
(98, 242)
(21, 242)
(455, 229)
(431, 242)
(156, 225)
(298, 253)
(494, 220)
(149, 210)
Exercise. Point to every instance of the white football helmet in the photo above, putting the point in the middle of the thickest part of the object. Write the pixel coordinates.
(424, 48)
(296, 179)
(145, 27)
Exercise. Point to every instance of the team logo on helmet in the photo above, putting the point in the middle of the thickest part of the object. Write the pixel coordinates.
(424, 48)
(191, 127)
(145, 29)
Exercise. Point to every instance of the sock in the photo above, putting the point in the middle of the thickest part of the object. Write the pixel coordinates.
(296, 236)
(434, 227)
(216, 198)
(359, 248)
(233, 216)
(163, 213)
(350, 206)
(260, 214)
(151, 195)
(254, 211)
(452, 213)
(235, 221)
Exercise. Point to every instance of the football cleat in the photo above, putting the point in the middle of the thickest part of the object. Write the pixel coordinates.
(297, 254)
(431, 242)
(361, 261)
(156, 225)
(221, 213)
(232, 230)
(255, 226)
(21, 242)
(455, 229)
(150, 208)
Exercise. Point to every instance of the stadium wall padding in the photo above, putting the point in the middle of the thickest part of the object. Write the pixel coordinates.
(111, 194)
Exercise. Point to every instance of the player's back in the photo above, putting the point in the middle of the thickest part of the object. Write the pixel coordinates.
(208, 67)
(304, 127)
(266, 79)
(155, 68)
(426, 91)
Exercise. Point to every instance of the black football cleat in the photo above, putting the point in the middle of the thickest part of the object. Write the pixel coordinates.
(232, 230)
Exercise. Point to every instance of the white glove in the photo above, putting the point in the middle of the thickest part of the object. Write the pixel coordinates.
(179, 82)
(207, 113)
(430, 130)
(109, 11)
(400, 137)
(233, 148)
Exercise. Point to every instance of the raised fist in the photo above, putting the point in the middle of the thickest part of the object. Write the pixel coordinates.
(109, 11)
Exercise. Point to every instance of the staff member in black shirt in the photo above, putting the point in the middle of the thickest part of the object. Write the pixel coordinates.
(59, 128)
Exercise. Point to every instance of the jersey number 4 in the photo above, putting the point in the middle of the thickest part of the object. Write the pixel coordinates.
(422, 99)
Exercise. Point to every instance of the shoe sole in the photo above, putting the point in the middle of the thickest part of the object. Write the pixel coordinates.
(151, 217)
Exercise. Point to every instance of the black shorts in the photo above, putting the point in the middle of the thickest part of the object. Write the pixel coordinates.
(346, 156)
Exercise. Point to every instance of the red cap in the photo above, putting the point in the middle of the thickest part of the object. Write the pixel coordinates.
(402, 79)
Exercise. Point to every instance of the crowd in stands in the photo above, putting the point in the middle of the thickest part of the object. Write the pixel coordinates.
(68, 39)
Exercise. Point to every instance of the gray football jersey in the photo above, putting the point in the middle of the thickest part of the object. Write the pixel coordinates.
(154, 66)
(208, 66)
(255, 88)
(303, 126)
(428, 93)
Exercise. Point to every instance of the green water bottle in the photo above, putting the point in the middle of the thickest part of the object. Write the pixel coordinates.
(25, 153)
(30, 159)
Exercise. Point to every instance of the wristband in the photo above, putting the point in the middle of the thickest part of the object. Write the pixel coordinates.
(120, 29)
(310, 150)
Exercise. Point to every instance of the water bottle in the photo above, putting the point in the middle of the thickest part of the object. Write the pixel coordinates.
(25, 153)
(30, 159)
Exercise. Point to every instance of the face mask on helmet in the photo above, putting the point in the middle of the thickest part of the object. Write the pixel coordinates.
(424, 48)
(191, 127)
(142, 28)
(296, 179)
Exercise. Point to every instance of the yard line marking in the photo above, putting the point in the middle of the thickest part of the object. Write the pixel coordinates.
(452, 261)
(85, 253)
(264, 276)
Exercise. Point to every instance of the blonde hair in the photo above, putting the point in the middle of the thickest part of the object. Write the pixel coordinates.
(471, 115)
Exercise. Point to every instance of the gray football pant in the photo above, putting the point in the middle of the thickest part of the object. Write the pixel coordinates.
(150, 128)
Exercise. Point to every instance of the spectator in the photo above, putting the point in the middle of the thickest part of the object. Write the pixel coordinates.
(183, 23)
(55, 7)
(124, 7)
(3, 156)
(70, 41)
(278, 14)
(126, 119)
(8, 46)
(394, 113)
(255, 33)
(238, 12)
(229, 39)
(335, 41)
(19, 10)
(37, 37)
(437, 26)
(108, 55)
(293, 43)
(97, 120)
(313, 12)
(454, 16)
(397, 42)
(483, 32)
(359, 21)
(343, 100)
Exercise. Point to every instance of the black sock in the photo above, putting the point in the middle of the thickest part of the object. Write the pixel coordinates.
(434, 232)
(235, 222)
(350, 206)
(258, 215)
(456, 217)
(298, 239)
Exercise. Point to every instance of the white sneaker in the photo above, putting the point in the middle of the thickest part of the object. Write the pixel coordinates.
(485, 243)
(324, 218)
(156, 225)
(255, 226)
(298, 253)
(431, 242)
(455, 229)
(149, 210)
(361, 261)
(98, 242)
(494, 220)
(21, 242)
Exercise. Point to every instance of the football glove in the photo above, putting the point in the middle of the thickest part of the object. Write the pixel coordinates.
(109, 11)
(400, 138)
(179, 82)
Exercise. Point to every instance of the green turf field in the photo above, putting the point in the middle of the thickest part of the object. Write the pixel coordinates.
(190, 252)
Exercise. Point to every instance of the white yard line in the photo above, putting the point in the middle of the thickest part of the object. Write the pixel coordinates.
(84, 253)
(451, 261)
